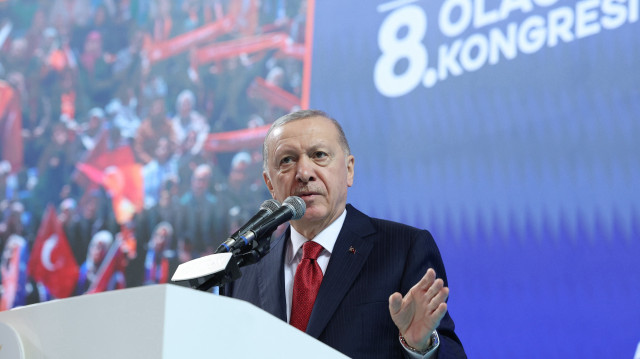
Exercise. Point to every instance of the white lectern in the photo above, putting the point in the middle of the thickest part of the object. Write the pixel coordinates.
(160, 321)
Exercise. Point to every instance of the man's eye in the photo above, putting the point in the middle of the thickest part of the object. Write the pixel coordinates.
(321, 154)
(286, 160)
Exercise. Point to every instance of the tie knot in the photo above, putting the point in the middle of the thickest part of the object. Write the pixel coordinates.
(311, 250)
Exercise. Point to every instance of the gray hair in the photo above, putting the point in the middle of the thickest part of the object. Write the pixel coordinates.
(164, 225)
(185, 95)
(301, 115)
(102, 236)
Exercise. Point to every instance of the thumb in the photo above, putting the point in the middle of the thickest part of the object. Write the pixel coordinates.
(395, 303)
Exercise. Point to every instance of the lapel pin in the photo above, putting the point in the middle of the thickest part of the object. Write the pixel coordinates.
(352, 250)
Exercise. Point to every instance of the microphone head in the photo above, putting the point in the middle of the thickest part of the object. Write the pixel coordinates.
(270, 205)
(297, 205)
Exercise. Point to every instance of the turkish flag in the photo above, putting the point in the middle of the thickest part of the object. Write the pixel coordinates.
(117, 171)
(52, 262)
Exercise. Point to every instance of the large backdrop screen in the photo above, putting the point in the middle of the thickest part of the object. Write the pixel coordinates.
(510, 130)
(131, 132)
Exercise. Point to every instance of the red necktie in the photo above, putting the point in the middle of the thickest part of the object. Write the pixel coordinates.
(305, 285)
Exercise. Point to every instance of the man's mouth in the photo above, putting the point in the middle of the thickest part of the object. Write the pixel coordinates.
(306, 195)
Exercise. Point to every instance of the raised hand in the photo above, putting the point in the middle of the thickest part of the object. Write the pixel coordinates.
(419, 313)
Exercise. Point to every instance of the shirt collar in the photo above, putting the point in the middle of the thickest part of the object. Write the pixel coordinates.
(327, 238)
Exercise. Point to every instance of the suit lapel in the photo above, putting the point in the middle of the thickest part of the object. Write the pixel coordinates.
(343, 268)
(271, 279)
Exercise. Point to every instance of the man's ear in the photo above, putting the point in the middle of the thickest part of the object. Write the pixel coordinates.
(267, 181)
(350, 169)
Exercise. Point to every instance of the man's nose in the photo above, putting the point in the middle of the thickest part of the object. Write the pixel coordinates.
(305, 170)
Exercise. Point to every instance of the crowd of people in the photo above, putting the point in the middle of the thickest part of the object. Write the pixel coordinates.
(116, 119)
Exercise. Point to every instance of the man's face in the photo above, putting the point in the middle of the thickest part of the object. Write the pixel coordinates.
(157, 113)
(95, 122)
(200, 183)
(185, 108)
(98, 252)
(305, 159)
(162, 151)
(238, 176)
(160, 239)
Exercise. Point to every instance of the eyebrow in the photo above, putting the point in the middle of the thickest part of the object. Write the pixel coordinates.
(317, 147)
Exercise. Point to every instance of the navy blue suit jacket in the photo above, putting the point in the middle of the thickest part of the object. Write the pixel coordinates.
(351, 311)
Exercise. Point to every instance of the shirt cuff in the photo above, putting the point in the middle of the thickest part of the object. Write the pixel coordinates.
(431, 350)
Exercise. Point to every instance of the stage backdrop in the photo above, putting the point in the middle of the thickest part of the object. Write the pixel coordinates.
(510, 130)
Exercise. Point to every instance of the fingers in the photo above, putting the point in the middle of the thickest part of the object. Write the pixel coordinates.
(435, 288)
(435, 293)
(440, 297)
(440, 311)
(427, 280)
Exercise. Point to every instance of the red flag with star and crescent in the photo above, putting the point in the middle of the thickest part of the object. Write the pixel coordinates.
(52, 262)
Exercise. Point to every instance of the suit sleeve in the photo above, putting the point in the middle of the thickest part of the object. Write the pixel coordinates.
(424, 254)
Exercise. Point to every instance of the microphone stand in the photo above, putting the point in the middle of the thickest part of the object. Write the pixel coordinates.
(229, 272)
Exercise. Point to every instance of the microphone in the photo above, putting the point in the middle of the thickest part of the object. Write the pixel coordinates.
(266, 208)
(292, 208)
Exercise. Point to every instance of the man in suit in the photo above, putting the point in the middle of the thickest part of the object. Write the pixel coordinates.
(365, 263)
